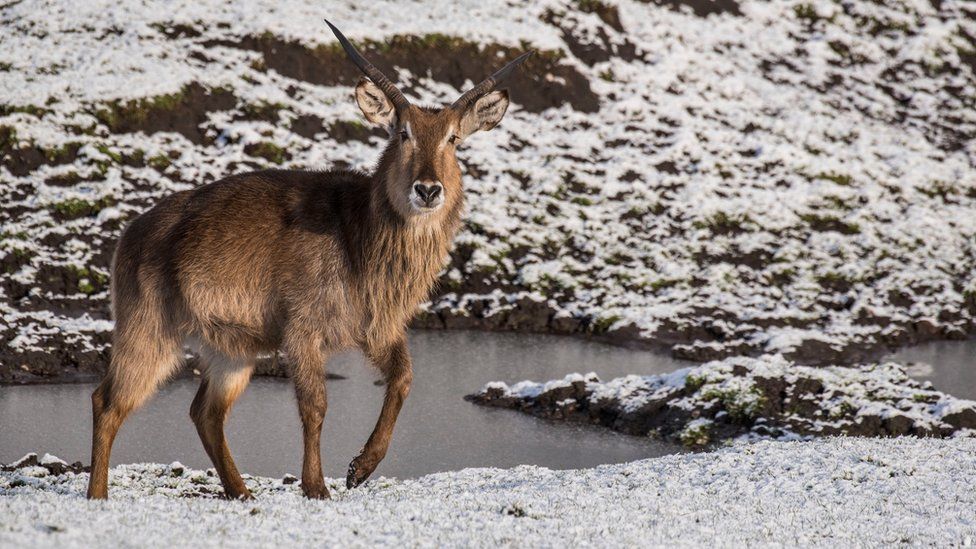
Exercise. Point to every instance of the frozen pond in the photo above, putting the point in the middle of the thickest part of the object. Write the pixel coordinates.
(437, 431)
(949, 365)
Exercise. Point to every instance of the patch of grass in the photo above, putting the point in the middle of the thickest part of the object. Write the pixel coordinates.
(693, 383)
(602, 325)
(723, 223)
(740, 404)
(74, 208)
(938, 189)
(262, 111)
(61, 152)
(86, 287)
(783, 277)
(77, 129)
(267, 150)
(116, 114)
(8, 138)
(618, 258)
(114, 157)
(820, 222)
(845, 409)
(696, 434)
(128, 115)
(20, 235)
(841, 179)
(159, 162)
(806, 12)
(835, 281)
(607, 13)
(582, 201)
(23, 254)
(32, 110)
(590, 6)
(663, 283)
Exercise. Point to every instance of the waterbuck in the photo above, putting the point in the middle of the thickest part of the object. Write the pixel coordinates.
(310, 263)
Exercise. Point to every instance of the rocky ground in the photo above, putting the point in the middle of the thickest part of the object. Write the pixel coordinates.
(724, 179)
(765, 397)
(848, 492)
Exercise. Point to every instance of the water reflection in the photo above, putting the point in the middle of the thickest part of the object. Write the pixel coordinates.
(437, 430)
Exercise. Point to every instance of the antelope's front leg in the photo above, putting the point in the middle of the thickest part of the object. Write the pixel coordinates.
(394, 362)
(309, 378)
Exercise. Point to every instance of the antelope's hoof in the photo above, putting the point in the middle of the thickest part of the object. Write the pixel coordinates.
(239, 496)
(359, 471)
(315, 491)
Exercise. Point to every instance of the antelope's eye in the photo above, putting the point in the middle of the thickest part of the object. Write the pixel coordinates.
(404, 135)
(453, 139)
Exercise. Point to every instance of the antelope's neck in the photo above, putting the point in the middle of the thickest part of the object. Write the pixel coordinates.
(401, 264)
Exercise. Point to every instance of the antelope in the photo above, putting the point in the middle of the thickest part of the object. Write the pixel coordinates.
(309, 263)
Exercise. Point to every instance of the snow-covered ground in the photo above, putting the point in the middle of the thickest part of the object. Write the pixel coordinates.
(829, 493)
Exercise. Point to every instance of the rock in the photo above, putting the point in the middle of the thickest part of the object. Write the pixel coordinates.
(528, 316)
(898, 425)
(926, 329)
(807, 386)
(866, 425)
(564, 324)
(961, 419)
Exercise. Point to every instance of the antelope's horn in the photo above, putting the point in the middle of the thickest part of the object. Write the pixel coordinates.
(393, 93)
(489, 83)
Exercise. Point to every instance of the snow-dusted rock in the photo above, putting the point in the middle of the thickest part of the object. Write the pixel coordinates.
(765, 397)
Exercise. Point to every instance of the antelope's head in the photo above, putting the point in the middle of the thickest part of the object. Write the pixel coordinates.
(421, 168)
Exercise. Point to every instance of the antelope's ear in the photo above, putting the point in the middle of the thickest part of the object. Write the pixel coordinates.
(375, 105)
(485, 113)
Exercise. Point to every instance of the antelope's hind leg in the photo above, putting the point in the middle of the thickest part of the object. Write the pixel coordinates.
(139, 365)
(224, 380)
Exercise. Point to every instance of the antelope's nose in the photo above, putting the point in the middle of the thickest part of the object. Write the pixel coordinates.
(428, 193)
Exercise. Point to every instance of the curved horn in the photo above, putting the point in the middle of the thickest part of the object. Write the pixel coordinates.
(489, 83)
(392, 92)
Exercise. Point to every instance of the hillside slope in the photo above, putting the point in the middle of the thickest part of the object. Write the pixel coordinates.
(787, 177)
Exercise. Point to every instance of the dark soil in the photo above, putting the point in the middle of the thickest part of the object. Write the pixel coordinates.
(439, 57)
(183, 112)
(701, 8)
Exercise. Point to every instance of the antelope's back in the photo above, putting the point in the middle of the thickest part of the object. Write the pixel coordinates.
(229, 250)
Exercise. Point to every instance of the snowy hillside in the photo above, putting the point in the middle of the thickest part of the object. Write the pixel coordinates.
(786, 177)
(836, 492)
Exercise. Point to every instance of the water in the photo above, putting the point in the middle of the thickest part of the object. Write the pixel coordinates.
(949, 365)
(437, 430)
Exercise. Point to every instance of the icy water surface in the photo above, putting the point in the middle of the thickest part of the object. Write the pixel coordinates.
(949, 365)
(437, 431)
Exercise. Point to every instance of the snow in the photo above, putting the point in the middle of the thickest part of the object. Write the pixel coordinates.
(839, 491)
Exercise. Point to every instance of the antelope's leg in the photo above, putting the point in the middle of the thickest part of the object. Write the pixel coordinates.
(225, 379)
(394, 362)
(139, 364)
(308, 374)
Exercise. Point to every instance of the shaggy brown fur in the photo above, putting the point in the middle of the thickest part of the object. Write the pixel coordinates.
(307, 262)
